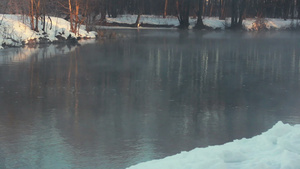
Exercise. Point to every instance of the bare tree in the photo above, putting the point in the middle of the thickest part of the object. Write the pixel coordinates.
(140, 5)
(103, 10)
(165, 8)
(222, 14)
(237, 13)
(35, 11)
(183, 13)
(37, 14)
(199, 24)
(31, 14)
(74, 8)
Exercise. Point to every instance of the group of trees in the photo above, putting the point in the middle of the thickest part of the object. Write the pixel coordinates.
(76, 11)
(238, 10)
(85, 11)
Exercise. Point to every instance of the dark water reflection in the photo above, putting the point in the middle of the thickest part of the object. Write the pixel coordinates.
(116, 103)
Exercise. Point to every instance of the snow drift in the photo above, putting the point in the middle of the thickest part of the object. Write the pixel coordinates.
(278, 148)
(15, 30)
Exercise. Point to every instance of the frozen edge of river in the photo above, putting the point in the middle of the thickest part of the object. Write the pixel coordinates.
(277, 148)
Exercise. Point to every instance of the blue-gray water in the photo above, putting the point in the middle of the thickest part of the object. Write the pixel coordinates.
(114, 103)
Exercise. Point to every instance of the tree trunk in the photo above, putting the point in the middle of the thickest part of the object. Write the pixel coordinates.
(37, 15)
(113, 8)
(71, 16)
(293, 9)
(233, 13)
(286, 9)
(31, 14)
(43, 14)
(87, 16)
(140, 5)
(222, 10)
(199, 24)
(76, 17)
(137, 22)
(165, 9)
(211, 6)
(242, 8)
(44, 21)
(103, 11)
(184, 11)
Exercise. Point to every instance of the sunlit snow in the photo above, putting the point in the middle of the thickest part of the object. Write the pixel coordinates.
(278, 148)
(15, 29)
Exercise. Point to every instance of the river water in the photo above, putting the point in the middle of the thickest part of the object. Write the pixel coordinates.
(154, 93)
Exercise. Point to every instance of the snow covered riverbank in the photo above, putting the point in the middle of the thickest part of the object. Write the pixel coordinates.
(15, 30)
(213, 22)
(278, 148)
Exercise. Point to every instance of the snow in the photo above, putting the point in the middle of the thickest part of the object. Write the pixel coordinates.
(151, 19)
(278, 148)
(212, 22)
(270, 23)
(15, 30)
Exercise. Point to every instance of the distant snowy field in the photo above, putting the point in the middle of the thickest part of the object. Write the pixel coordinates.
(15, 29)
(213, 22)
(278, 148)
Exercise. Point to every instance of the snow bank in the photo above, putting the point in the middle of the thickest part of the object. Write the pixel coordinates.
(212, 22)
(278, 148)
(15, 30)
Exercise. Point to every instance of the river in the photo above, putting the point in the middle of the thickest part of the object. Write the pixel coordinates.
(115, 103)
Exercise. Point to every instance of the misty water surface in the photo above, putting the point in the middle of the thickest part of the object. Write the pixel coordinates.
(111, 104)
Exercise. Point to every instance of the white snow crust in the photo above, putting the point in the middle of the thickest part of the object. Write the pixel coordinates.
(15, 29)
(278, 148)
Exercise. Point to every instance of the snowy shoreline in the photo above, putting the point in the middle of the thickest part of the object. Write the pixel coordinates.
(277, 148)
(212, 22)
(15, 31)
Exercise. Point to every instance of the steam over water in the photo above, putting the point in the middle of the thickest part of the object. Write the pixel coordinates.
(111, 104)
